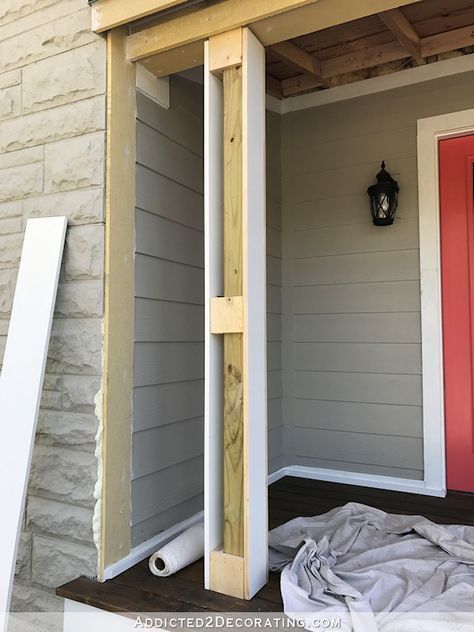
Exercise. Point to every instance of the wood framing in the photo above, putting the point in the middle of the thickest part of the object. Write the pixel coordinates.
(404, 32)
(119, 290)
(368, 58)
(300, 59)
(107, 14)
(271, 21)
(226, 315)
(236, 550)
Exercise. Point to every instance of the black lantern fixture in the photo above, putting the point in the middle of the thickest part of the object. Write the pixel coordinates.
(383, 198)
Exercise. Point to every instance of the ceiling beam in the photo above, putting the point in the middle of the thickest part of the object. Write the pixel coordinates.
(107, 14)
(379, 55)
(404, 32)
(273, 86)
(292, 54)
(272, 21)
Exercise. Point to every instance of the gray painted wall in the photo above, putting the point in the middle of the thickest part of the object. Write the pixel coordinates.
(167, 443)
(352, 350)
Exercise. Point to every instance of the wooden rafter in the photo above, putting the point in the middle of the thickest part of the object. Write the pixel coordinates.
(378, 55)
(404, 32)
(289, 52)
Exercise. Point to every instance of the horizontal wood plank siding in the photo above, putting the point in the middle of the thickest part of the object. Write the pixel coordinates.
(352, 326)
(168, 433)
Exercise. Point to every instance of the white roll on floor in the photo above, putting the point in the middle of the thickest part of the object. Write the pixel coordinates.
(186, 548)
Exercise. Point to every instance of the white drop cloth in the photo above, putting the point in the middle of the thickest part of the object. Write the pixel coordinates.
(379, 571)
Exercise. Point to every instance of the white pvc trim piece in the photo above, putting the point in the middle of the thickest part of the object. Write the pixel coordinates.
(21, 380)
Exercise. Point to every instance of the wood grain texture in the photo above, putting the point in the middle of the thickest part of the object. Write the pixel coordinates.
(233, 343)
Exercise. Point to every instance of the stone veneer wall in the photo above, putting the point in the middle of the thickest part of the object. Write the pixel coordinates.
(52, 122)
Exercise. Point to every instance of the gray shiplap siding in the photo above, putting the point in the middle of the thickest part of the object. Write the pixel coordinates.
(352, 339)
(167, 443)
(168, 436)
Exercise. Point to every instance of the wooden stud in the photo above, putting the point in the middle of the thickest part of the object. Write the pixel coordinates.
(404, 32)
(108, 14)
(233, 343)
(300, 59)
(226, 315)
(119, 297)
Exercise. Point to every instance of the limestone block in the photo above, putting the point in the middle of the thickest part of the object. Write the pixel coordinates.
(85, 206)
(79, 392)
(21, 157)
(46, 40)
(74, 163)
(11, 10)
(35, 622)
(7, 289)
(28, 599)
(10, 250)
(11, 209)
(59, 519)
(75, 347)
(74, 75)
(10, 225)
(73, 119)
(10, 102)
(12, 78)
(51, 400)
(63, 474)
(23, 557)
(65, 428)
(81, 299)
(18, 182)
(56, 562)
(84, 253)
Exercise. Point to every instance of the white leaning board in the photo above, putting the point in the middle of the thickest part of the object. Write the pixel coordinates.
(21, 381)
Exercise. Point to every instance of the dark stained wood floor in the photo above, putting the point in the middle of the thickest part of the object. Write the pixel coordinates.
(137, 590)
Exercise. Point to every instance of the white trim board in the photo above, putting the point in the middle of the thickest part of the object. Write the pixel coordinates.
(430, 131)
(142, 551)
(21, 380)
(398, 79)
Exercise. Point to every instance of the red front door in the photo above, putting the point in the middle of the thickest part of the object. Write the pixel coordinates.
(456, 159)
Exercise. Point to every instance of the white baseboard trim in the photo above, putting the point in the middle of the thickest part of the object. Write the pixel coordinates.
(357, 478)
(140, 552)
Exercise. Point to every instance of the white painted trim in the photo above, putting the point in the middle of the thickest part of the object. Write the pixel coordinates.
(356, 478)
(21, 380)
(430, 131)
(155, 88)
(398, 79)
(144, 550)
(273, 104)
(213, 344)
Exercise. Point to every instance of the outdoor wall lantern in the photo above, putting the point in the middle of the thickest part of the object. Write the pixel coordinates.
(383, 198)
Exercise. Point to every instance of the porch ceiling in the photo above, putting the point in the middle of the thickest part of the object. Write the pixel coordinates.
(416, 34)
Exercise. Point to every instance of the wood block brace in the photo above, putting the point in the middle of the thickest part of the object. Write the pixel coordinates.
(225, 50)
(227, 315)
(227, 574)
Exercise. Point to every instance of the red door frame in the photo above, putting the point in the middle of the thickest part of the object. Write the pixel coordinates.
(456, 162)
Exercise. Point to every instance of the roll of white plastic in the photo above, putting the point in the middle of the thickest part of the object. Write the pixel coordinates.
(186, 548)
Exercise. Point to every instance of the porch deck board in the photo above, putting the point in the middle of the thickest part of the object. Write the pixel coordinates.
(137, 590)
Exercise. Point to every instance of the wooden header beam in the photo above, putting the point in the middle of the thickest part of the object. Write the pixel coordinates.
(404, 32)
(271, 21)
(107, 14)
